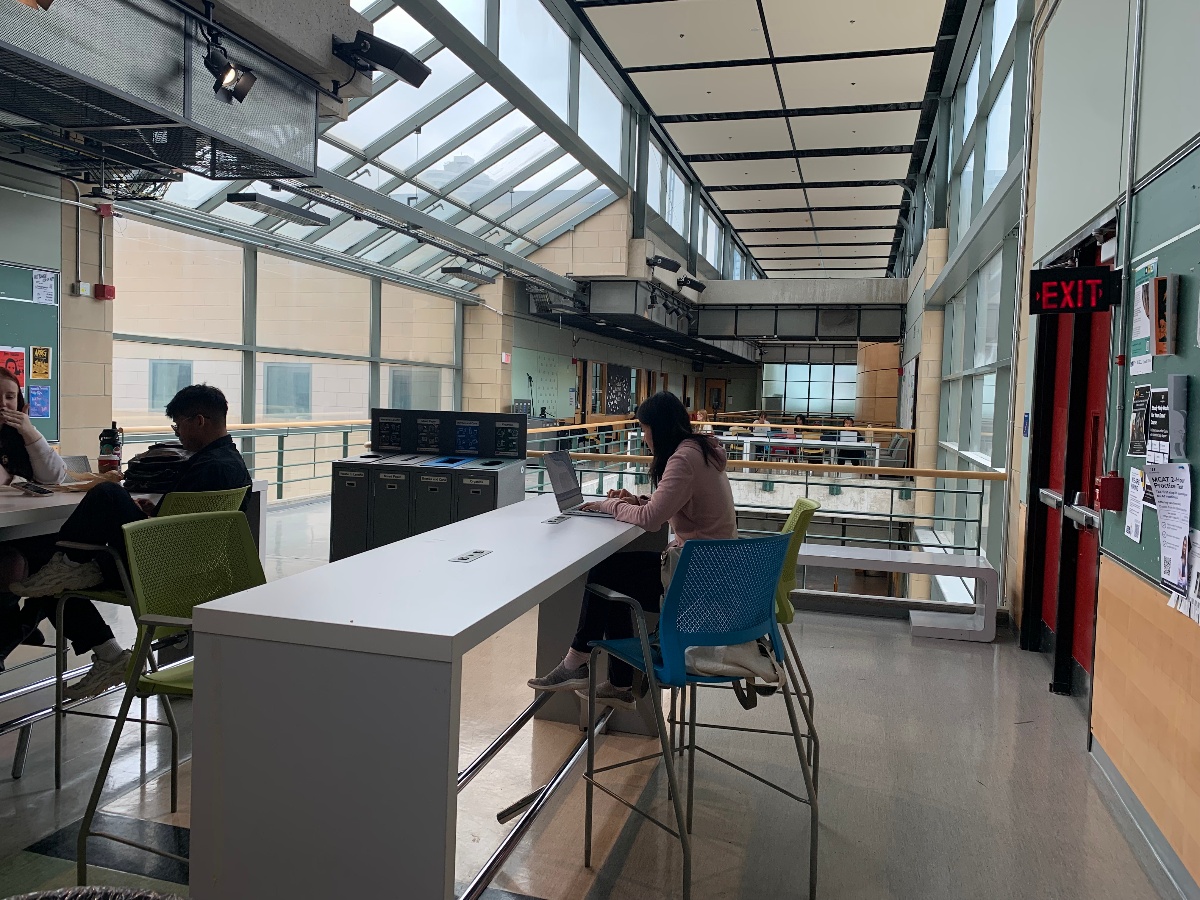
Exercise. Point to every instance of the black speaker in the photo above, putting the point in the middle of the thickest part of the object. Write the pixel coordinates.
(380, 54)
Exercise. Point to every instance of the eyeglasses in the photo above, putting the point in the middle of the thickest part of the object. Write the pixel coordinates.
(175, 425)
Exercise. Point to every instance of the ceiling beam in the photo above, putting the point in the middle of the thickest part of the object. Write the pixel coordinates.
(441, 23)
(817, 153)
(781, 60)
(805, 209)
(778, 186)
(753, 247)
(789, 113)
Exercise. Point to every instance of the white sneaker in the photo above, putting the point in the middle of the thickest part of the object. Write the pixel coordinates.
(103, 676)
(58, 575)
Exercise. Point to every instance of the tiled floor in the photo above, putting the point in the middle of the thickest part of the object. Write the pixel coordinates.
(948, 772)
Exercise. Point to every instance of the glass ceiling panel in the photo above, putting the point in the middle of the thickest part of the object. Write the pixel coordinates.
(477, 148)
(194, 190)
(399, 101)
(570, 212)
(503, 170)
(299, 232)
(401, 29)
(536, 49)
(383, 250)
(443, 127)
(418, 258)
(347, 234)
(471, 13)
(329, 156)
(543, 205)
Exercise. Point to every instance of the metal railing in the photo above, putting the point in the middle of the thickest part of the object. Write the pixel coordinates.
(292, 457)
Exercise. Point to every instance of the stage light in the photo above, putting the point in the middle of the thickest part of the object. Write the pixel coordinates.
(663, 262)
(697, 286)
(366, 53)
(232, 82)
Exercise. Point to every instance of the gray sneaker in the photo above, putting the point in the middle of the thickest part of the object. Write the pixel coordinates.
(562, 679)
(103, 676)
(58, 575)
(607, 695)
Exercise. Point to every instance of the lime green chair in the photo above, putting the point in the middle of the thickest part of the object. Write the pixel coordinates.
(175, 563)
(173, 504)
(797, 524)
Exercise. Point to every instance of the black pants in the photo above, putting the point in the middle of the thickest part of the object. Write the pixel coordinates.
(635, 574)
(96, 520)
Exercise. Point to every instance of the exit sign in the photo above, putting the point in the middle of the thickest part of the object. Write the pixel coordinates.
(1084, 290)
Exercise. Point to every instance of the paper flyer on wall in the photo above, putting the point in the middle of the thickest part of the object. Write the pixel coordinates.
(1133, 507)
(1189, 603)
(13, 359)
(1141, 332)
(1137, 420)
(1158, 427)
(1172, 485)
(43, 287)
(39, 363)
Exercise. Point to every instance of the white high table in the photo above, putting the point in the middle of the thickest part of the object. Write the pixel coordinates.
(326, 711)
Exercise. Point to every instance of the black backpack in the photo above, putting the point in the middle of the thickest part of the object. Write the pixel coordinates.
(156, 470)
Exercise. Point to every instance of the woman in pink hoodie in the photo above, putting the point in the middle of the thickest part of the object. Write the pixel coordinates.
(692, 493)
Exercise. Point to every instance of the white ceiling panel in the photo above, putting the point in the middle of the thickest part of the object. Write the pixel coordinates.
(820, 273)
(656, 34)
(709, 90)
(806, 265)
(877, 129)
(743, 136)
(888, 195)
(783, 255)
(875, 167)
(762, 171)
(801, 29)
(851, 82)
(859, 217)
(771, 220)
(862, 235)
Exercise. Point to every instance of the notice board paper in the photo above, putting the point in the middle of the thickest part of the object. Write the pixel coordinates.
(1141, 334)
(1172, 485)
(1137, 420)
(39, 401)
(1158, 427)
(1189, 604)
(13, 359)
(39, 363)
(1133, 507)
(43, 287)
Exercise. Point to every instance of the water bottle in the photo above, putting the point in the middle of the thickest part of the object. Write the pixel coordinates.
(110, 449)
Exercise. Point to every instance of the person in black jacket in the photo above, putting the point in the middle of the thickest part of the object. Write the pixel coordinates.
(199, 413)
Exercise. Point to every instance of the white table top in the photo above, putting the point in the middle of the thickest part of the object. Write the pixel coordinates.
(408, 598)
(19, 508)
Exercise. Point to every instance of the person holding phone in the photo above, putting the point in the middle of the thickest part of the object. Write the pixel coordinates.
(24, 453)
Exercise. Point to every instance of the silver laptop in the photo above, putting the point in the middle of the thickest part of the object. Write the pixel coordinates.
(566, 485)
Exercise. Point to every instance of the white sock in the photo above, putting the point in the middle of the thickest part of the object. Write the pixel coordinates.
(109, 651)
(574, 659)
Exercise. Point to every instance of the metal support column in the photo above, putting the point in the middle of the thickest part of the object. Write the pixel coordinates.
(693, 228)
(249, 339)
(641, 177)
(376, 342)
(941, 166)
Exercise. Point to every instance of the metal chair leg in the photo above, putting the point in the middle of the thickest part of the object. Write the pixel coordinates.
(691, 754)
(165, 702)
(588, 787)
(814, 742)
(143, 723)
(795, 654)
(811, 787)
(672, 784)
(60, 667)
(22, 752)
(85, 827)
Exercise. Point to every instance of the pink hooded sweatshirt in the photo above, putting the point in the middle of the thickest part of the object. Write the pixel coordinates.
(694, 496)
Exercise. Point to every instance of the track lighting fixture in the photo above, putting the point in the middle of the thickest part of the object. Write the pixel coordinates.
(663, 262)
(233, 82)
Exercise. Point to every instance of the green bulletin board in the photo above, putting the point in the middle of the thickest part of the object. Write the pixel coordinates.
(28, 319)
(1166, 228)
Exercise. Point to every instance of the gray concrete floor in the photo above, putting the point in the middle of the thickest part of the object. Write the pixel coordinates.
(948, 772)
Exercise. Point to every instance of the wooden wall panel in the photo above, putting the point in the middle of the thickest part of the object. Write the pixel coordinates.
(1146, 703)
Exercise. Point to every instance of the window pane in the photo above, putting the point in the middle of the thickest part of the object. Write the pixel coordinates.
(676, 202)
(1004, 17)
(138, 392)
(846, 374)
(311, 307)
(996, 147)
(415, 387)
(471, 13)
(176, 284)
(471, 152)
(654, 179)
(399, 28)
(600, 115)
(306, 388)
(798, 373)
(966, 182)
(970, 93)
(167, 378)
(983, 409)
(416, 325)
(535, 48)
(441, 128)
(987, 310)
(501, 171)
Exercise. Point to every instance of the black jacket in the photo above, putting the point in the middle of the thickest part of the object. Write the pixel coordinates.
(217, 467)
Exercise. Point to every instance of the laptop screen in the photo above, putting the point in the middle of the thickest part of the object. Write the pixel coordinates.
(563, 479)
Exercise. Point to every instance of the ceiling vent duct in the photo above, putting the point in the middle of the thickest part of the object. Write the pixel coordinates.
(120, 87)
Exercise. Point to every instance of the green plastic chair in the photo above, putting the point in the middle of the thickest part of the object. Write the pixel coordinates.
(797, 523)
(175, 563)
(173, 504)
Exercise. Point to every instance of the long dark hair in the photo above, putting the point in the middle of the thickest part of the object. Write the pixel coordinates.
(14, 455)
(665, 417)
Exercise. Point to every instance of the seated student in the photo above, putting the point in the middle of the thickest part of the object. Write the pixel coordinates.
(761, 427)
(199, 413)
(25, 454)
(849, 436)
(703, 426)
(809, 454)
(692, 492)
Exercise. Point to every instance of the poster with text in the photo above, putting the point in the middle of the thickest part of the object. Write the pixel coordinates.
(1172, 485)
(13, 359)
(39, 363)
(1133, 507)
(1189, 604)
(1137, 420)
(43, 287)
(39, 401)
(1141, 333)
(1158, 427)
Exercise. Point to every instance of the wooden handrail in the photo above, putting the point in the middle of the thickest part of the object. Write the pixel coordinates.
(257, 426)
(947, 474)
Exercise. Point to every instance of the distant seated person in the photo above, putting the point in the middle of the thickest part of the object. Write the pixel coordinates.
(199, 414)
(849, 436)
(810, 454)
(702, 423)
(24, 454)
(761, 427)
